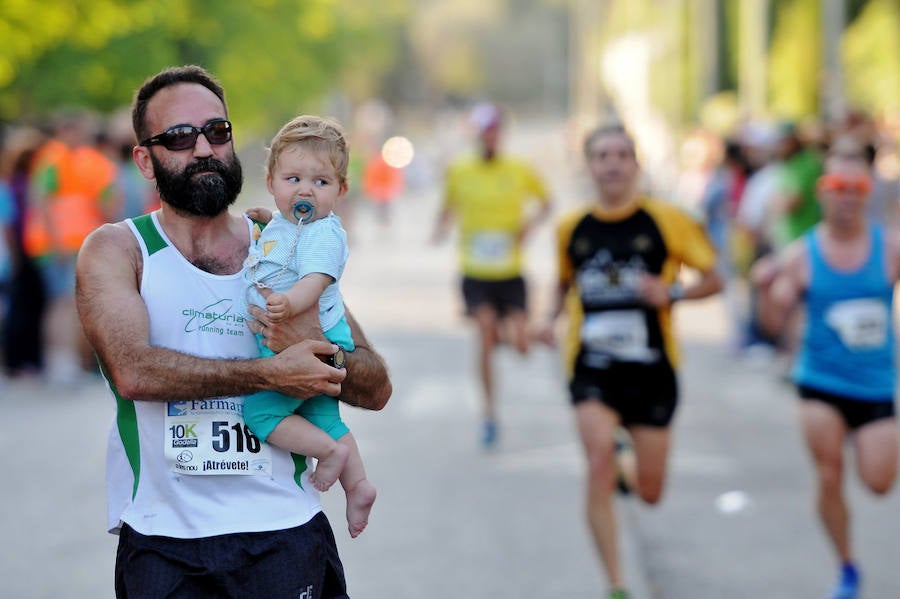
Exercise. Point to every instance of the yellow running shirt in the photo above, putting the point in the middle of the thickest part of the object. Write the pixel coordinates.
(490, 201)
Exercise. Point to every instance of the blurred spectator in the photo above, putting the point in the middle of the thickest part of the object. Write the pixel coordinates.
(7, 240)
(346, 208)
(753, 224)
(22, 329)
(701, 152)
(881, 150)
(132, 193)
(886, 193)
(797, 208)
(758, 143)
(71, 195)
(382, 183)
(719, 204)
(719, 200)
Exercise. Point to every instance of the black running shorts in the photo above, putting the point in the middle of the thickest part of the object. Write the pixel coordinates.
(506, 295)
(855, 412)
(299, 562)
(642, 394)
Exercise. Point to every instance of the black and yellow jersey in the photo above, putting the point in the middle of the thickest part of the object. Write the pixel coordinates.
(602, 256)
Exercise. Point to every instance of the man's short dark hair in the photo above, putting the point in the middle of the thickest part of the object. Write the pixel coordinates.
(164, 79)
(603, 131)
(864, 150)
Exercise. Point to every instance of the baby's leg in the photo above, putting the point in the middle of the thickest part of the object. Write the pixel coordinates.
(299, 435)
(359, 491)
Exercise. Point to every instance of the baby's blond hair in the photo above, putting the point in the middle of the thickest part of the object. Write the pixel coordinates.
(318, 134)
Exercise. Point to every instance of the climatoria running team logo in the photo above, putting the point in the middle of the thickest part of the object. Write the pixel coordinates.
(218, 318)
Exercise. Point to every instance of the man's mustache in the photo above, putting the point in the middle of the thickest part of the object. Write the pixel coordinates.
(205, 165)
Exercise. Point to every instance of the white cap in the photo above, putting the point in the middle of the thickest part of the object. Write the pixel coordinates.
(484, 116)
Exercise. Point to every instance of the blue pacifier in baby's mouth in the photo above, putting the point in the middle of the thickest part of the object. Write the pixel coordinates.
(303, 211)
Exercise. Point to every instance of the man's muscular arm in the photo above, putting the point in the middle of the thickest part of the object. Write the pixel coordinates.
(116, 322)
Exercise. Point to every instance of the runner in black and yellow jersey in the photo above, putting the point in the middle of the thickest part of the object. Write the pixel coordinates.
(619, 261)
(497, 201)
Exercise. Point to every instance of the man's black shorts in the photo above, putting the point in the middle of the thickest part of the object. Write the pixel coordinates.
(855, 412)
(642, 394)
(297, 563)
(505, 295)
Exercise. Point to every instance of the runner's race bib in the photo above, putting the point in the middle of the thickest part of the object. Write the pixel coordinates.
(492, 249)
(621, 334)
(860, 323)
(208, 437)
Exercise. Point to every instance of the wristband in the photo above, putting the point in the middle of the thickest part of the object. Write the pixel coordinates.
(676, 292)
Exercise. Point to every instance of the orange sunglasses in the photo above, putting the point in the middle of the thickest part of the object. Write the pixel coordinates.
(845, 183)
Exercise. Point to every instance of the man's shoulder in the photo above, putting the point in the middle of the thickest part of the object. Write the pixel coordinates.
(118, 232)
(109, 242)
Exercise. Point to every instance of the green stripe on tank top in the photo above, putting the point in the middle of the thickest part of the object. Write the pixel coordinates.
(126, 422)
(152, 239)
(299, 468)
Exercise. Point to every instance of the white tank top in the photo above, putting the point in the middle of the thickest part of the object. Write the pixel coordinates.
(190, 469)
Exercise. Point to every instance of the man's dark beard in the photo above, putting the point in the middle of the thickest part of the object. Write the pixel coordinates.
(207, 195)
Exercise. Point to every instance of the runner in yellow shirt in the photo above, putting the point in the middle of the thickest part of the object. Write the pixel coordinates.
(497, 200)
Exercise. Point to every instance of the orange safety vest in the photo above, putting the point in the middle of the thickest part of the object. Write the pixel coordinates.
(72, 207)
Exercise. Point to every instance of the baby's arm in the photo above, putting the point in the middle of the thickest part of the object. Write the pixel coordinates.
(303, 295)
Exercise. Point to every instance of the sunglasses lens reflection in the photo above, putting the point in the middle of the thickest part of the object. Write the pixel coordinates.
(180, 138)
(218, 133)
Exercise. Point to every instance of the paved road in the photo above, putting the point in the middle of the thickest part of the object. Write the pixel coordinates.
(453, 521)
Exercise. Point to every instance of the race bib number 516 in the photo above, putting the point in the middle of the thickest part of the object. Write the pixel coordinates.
(207, 437)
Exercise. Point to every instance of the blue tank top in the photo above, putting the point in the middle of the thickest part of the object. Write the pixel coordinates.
(848, 342)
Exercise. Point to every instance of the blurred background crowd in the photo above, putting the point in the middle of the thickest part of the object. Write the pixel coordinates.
(731, 103)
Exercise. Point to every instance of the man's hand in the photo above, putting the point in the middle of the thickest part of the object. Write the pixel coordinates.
(369, 385)
(654, 291)
(764, 271)
(298, 372)
(545, 333)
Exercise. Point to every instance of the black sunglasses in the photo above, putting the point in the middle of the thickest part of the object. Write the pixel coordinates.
(184, 137)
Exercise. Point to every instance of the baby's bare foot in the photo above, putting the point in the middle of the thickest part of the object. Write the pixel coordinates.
(329, 468)
(359, 504)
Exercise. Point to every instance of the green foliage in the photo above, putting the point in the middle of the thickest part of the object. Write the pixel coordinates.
(871, 53)
(729, 30)
(794, 59)
(662, 31)
(274, 57)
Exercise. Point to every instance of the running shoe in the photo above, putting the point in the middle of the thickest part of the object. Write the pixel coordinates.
(619, 594)
(848, 585)
(489, 434)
